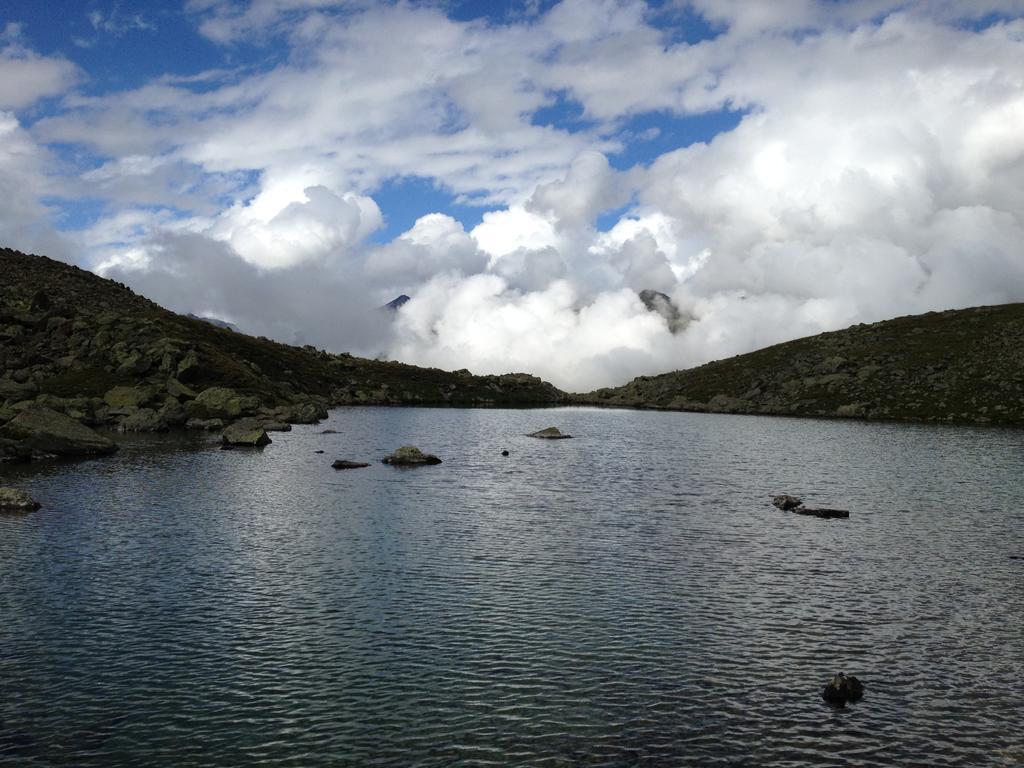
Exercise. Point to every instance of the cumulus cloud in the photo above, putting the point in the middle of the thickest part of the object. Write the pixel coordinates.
(26, 76)
(877, 169)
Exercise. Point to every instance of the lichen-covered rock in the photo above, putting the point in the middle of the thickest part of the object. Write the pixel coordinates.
(46, 431)
(15, 500)
(181, 391)
(142, 420)
(246, 432)
(128, 397)
(410, 456)
(842, 689)
(549, 433)
(221, 403)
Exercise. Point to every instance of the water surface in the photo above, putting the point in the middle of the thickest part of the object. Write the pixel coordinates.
(628, 597)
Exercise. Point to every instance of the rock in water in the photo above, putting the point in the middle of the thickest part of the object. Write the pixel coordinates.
(248, 432)
(786, 502)
(823, 513)
(346, 464)
(550, 433)
(410, 456)
(44, 430)
(13, 500)
(504, 453)
(842, 689)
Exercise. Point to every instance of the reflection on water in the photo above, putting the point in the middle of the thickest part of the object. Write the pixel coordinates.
(628, 597)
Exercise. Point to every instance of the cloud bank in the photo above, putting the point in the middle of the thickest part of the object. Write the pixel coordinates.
(873, 167)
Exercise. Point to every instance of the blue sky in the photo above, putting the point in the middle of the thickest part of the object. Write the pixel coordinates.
(523, 169)
(123, 46)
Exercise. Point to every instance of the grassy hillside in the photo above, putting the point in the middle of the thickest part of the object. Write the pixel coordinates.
(66, 333)
(960, 366)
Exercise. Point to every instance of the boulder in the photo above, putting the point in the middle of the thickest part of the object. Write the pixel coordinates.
(301, 412)
(221, 403)
(248, 432)
(128, 397)
(173, 413)
(410, 456)
(842, 689)
(47, 431)
(786, 502)
(13, 500)
(277, 426)
(346, 464)
(181, 391)
(550, 433)
(142, 420)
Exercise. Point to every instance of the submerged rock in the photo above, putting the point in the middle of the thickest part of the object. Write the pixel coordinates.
(346, 464)
(842, 689)
(786, 502)
(823, 513)
(44, 430)
(796, 505)
(549, 433)
(14, 500)
(247, 432)
(504, 453)
(410, 456)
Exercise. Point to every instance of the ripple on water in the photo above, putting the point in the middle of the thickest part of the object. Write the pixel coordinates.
(628, 597)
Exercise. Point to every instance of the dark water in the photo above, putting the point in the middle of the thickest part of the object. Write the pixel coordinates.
(625, 598)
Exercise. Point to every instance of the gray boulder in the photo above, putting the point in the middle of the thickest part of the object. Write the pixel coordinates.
(14, 500)
(44, 430)
(410, 456)
(550, 433)
(221, 403)
(247, 432)
(346, 464)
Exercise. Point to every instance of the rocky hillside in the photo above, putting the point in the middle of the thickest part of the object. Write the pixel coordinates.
(94, 351)
(959, 366)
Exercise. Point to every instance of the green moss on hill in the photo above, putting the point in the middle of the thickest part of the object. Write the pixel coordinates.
(960, 366)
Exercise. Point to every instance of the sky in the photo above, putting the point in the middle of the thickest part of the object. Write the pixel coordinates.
(523, 170)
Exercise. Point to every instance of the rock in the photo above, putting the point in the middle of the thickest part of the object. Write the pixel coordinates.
(142, 420)
(14, 500)
(206, 424)
(188, 368)
(410, 456)
(277, 426)
(824, 513)
(842, 689)
(221, 403)
(302, 412)
(247, 432)
(346, 464)
(329, 432)
(40, 302)
(550, 433)
(786, 502)
(181, 391)
(44, 430)
(128, 397)
(318, 451)
(173, 413)
(504, 453)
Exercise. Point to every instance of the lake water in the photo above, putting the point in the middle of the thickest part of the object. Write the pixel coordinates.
(628, 597)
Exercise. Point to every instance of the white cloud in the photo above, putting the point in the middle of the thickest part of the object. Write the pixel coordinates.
(25, 76)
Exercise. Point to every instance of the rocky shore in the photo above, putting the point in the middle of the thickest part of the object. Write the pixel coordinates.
(77, 350)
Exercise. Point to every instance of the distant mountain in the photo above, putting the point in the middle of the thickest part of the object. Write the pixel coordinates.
(964, 365)
(395, 304)
(661, 304)
(216, 322)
